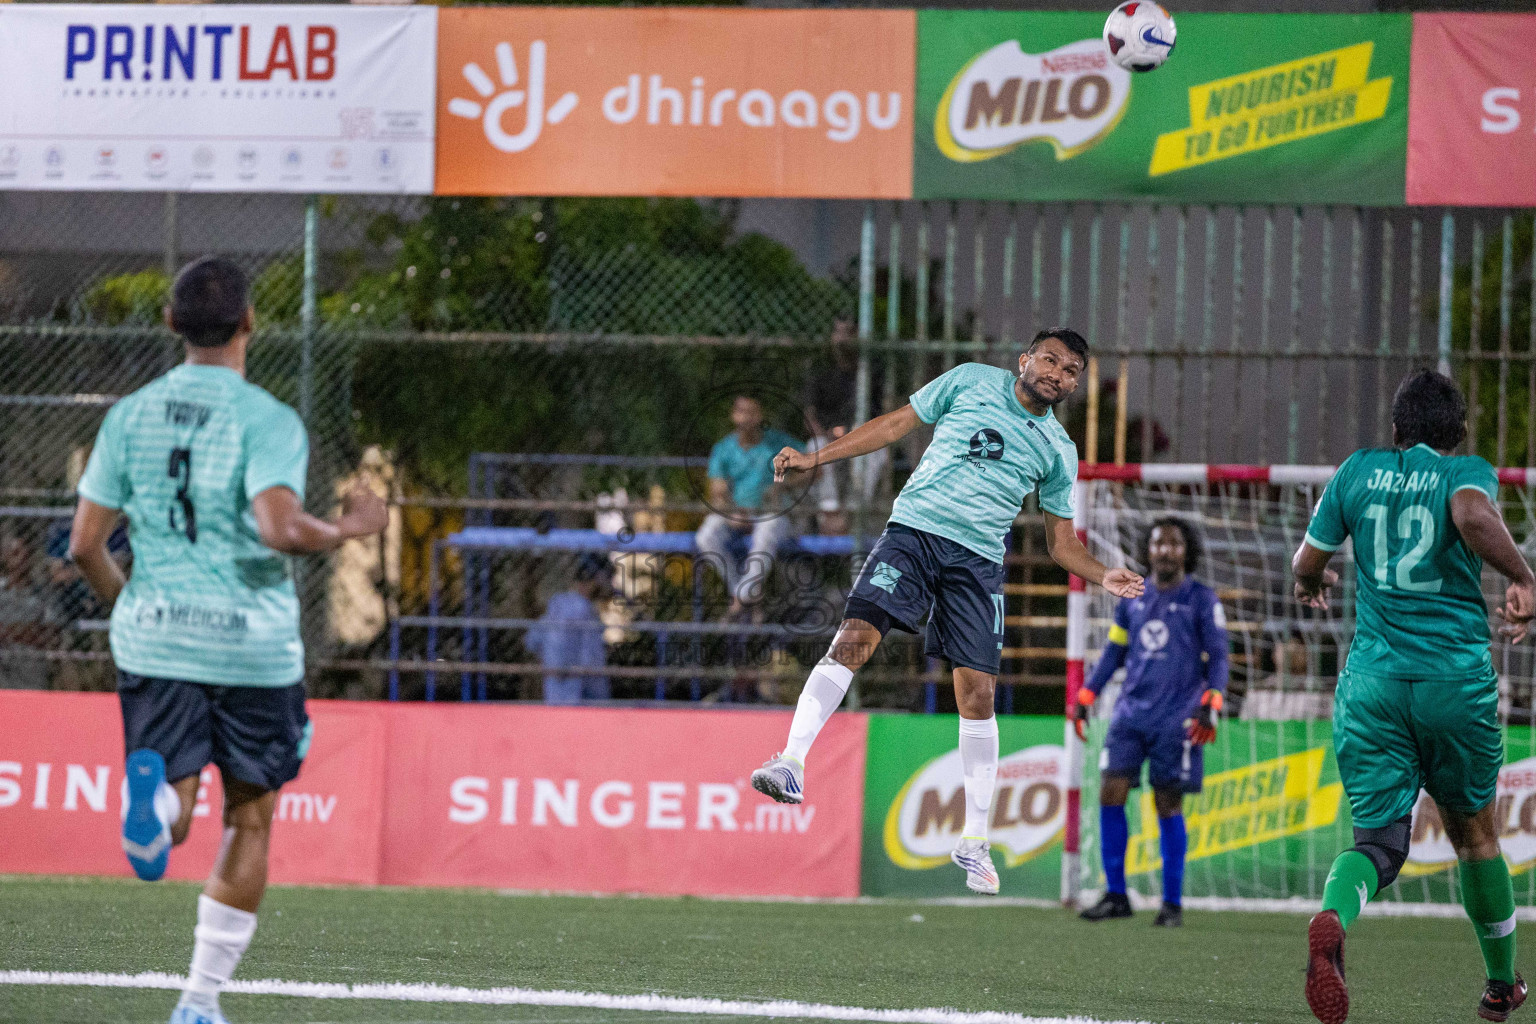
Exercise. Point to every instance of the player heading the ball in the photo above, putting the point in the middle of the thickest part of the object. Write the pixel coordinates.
(940, 559)
(1418, 701)
(209, 469)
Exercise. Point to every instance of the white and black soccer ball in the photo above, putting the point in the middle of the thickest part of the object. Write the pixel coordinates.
(1140, 35)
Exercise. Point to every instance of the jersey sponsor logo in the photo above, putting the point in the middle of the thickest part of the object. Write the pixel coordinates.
(1154, 635)
(927, 816)
(172, 615)
(1219, 615)
(885, 576)
(986, 446)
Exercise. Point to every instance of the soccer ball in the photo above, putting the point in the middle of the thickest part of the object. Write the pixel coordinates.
(1139, 35)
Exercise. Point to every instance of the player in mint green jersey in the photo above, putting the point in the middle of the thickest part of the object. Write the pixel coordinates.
(1418, 701)
(209, 470)
(940, 559)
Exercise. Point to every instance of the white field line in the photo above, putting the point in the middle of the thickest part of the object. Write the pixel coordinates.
(650, 1003)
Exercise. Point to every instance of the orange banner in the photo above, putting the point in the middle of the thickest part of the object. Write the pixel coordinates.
(675, 101)
(527, 797)
(597, 800)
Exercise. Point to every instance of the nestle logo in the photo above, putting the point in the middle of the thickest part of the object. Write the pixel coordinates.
(1070, 63)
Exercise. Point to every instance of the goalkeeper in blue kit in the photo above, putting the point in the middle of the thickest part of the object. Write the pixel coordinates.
(1172, 641)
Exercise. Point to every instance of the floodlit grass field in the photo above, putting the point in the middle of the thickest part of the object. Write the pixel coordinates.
(897, 955)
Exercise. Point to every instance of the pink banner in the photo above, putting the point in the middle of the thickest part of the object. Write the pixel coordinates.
(1472, 110)
(522, 797)
(588, 799)
(61, 775)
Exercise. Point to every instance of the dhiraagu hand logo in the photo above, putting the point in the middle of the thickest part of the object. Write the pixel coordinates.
(1028, 809)
(1271, 106)
(1071, 97)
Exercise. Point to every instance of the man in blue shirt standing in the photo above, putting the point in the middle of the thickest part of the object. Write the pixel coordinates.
(1173, 641)
(940, 559)
(745, 502)
(570, 635)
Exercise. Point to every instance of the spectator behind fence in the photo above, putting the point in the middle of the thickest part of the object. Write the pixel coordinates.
(27, 626)
(831, 394)
(746, 502)
(570, 635)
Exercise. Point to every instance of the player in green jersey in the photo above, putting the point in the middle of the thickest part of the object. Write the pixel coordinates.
(1417, 703)
(209, 469)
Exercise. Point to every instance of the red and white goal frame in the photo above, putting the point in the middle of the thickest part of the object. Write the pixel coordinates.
(1166, 475)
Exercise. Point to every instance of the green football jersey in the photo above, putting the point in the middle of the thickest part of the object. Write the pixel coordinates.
(1419, 609)
(988, 453)
(206, 600)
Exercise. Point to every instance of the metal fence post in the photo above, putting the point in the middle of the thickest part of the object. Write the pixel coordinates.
(307, 314)
(1447, 267)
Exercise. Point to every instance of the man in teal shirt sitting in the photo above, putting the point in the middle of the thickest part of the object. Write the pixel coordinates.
(745, 501)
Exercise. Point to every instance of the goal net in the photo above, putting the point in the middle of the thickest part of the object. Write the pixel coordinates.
(1273, 814)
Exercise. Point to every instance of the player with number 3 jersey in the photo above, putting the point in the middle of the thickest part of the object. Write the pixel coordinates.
(1417, 704)
(209, 470)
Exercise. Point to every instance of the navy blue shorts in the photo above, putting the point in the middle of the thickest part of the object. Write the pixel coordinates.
(257, 734)
(916, 577)
(1175, 763)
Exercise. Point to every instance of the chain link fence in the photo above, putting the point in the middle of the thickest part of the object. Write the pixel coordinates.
(432, 333)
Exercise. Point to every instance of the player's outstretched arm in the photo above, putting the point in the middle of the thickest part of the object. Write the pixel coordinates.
(1483, 529)
(88, 538)
(285, 526)
(861, 440)
(1069, 553)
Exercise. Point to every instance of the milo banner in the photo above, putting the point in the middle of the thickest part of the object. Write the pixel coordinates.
(1274, 109)
(914, 806)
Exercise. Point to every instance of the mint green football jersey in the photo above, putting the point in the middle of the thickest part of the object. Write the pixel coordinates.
(1419, 609)
(988, 453)
(206, 600)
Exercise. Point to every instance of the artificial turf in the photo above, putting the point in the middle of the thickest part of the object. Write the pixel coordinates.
(1221, 967)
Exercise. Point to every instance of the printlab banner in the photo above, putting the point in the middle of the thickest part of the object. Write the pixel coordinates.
(914, 806)
(677, 102)
(61, 777)
(300, 98)
(1472, 116)
(1272, 108)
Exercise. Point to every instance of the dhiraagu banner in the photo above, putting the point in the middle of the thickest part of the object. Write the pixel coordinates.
(914, 806)
(1249, 108)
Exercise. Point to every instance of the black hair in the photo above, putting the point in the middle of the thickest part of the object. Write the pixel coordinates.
(208, 300)
(1428, 409)
(1075, 342)
(1194, 545)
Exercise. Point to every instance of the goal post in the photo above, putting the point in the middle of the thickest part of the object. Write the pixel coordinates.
(1272, 814)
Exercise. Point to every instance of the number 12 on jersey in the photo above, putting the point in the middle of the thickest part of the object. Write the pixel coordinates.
(1413, 515)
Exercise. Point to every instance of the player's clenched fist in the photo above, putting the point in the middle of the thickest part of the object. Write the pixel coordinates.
(789, 459)
(1123, 583)
(1202, 728)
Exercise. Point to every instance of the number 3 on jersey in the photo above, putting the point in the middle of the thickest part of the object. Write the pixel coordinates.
(180, 470)
(1411, 517)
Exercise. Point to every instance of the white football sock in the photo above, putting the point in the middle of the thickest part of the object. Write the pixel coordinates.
(978, 760)
(822, 694)
(222, 934)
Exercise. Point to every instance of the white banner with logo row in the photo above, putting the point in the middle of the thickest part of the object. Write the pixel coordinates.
(217, 98)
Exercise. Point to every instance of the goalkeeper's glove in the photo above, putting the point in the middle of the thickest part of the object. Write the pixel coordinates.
(1085, 699)
(1202, 728)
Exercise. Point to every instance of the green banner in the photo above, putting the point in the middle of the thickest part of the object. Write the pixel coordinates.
(1272, 109)
(1270, 819)
(914, 806)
